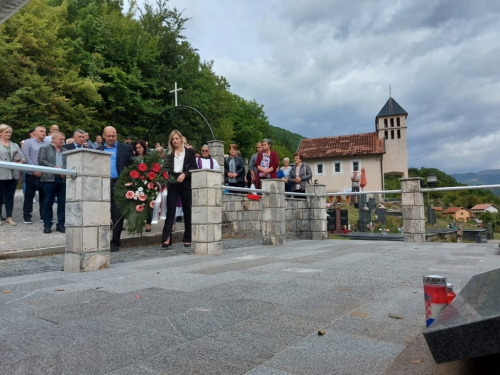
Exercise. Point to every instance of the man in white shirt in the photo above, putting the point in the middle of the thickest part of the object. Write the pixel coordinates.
(205, 161)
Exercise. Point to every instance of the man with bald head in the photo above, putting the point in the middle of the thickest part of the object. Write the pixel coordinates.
(121, 158)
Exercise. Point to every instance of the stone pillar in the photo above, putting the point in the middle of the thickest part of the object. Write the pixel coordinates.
(273, 212)
(413, 210)
(207, 212)
(217, 152)
(317, 212)
(87, 211)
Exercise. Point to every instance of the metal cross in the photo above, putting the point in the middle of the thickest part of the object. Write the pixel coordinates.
(175, 92)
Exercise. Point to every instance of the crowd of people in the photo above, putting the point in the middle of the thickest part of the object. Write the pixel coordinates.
(179, 158)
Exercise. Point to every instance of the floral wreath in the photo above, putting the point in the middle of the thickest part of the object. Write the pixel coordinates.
(137, 188)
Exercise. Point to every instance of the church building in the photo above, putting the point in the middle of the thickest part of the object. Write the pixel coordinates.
(381, 153)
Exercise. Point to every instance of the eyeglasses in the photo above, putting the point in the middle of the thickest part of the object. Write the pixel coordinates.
(204, 150)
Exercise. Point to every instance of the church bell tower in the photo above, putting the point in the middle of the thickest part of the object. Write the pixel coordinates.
(390, 125)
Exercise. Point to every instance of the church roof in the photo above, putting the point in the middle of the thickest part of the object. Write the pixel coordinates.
(344, 145)
(392, 108)
(453, 210)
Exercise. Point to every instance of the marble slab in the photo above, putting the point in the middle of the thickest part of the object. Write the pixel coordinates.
(470, 326)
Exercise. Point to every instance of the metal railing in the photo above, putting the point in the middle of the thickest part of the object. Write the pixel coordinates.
(250, 191)
(425, 190)
(37, 168)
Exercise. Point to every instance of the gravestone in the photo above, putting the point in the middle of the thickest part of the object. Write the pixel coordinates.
(381, 214)
(344, 218)
(469, 327)
(371, 203)
(431, 215)
(330, 220)
(361, 200)
(364, 220)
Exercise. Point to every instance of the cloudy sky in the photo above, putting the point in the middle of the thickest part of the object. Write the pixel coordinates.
(323, 68)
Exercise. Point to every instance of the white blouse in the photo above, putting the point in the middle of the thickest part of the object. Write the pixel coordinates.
(179, 161)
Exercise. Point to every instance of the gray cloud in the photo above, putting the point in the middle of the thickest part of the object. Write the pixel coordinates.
(323, 67)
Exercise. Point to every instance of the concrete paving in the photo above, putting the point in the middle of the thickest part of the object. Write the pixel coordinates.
(252, 310)
(29, 240)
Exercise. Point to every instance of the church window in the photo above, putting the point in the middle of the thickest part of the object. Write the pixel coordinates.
(398, 123)
(392, 134)
(385, 123)
(386, 135)
(337, 167)
(392, 122)
(320, 169)
(355, 165)
(399, 133)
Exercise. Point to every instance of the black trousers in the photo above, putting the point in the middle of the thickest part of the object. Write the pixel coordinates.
(7, 193)
(32, 185)
(174, 191)
(116, 218)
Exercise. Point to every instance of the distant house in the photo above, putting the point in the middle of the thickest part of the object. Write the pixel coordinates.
(381, 153)
(458, 213)
(478, 209)
(438, 209)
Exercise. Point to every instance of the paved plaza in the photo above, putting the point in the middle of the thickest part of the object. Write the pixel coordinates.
(252, 310)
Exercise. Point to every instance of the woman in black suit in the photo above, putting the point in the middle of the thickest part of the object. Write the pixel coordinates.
(234, 168)
(178, 162)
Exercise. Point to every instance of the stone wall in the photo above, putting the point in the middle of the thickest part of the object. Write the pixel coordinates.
(241, 217)
(304, 218)
(298, 220)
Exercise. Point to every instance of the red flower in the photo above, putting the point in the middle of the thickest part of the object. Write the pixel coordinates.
(151, 185)
(139, 208)
(142, 197)
(128, 184)
(142, 167)
(165, 175)
(130, 194)
(134, 174)
(152, 175)
(156, 167)
(152, 204)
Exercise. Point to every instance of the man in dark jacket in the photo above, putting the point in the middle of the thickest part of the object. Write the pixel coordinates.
(54, 185)
(121, 158)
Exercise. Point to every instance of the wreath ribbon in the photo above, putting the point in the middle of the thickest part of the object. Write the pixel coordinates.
(160, 206)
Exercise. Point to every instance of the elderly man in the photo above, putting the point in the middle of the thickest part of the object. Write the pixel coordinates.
(205, 161)
(30, 151)
(78, 140)
(121, 158)
(53, 129)
(54, 185)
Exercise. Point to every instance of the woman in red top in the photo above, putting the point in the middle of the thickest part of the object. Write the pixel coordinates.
(267, 163)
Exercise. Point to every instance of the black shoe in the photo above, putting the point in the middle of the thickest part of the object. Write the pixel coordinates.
(178, 219)
(165, 245)
(61, 229)
(114, 248)
(187, 245)
(27, 221)
(47, 230)
(3, 218)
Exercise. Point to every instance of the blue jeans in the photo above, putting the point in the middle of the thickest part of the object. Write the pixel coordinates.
(51, 191)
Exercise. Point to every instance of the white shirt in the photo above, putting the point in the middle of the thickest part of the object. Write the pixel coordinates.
(179, 161)
(205, 164)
